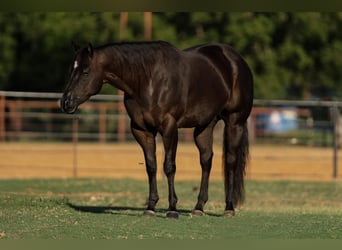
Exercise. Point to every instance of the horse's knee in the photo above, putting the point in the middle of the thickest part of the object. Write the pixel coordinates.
(151, 166)
(206, 159)
(231, 158)
(169, 168)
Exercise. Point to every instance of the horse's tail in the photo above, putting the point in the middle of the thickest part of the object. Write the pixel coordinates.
(234, 173)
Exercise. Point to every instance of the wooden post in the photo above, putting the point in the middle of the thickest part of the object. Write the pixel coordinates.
(148, 25)
(102, 124)
(148, 36)
(121, 119)
(123, 24)
(74, 143)
(335, 141)
(188, 135)
(2, 118)
(15, 109)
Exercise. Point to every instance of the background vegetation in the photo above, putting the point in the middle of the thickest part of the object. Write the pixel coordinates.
(293, 55)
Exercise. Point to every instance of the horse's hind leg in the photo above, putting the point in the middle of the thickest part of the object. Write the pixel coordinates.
(146, 140)
(169, 133)
(204, 141)
(235, 154)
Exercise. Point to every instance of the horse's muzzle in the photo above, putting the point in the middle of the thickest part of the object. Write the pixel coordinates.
(69, 103)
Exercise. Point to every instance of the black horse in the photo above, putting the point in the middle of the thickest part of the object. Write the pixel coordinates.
(166, 89)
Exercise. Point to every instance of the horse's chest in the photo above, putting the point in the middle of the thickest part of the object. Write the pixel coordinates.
(144, 118)
(152, 114)
(150, 119)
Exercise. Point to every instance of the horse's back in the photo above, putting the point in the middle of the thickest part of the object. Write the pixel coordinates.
(235, 72)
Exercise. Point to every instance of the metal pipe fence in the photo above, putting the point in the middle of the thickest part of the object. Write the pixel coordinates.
(320, 118)
(36, 117)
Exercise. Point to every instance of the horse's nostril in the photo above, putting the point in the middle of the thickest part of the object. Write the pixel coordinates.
(68, 103)
(63, 103)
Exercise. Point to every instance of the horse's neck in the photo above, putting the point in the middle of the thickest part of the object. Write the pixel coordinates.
(124, 73)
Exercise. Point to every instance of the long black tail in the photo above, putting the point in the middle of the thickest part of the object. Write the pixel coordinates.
(234, 173)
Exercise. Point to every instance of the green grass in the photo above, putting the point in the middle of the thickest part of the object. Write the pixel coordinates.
(112, 209)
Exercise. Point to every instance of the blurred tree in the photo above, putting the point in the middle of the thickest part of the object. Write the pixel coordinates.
(251, 34)
(7, 48)
(42, 50)
(304, 37)
(292, 55)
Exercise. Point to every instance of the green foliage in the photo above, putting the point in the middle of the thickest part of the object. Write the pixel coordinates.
(7, 48)
(292, 55)
(43, 53)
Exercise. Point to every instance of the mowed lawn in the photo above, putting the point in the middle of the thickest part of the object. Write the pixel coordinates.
(113, 208)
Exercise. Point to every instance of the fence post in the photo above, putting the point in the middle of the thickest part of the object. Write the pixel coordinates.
(74, 143)
(335, 139)
(102, 124)
(148, 25)
(122, 120)
(2, 118)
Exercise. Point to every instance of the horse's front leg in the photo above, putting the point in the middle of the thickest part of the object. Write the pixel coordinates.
(146, 139)
(170, 139)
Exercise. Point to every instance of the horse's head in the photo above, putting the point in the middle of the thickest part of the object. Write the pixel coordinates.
(85, 80)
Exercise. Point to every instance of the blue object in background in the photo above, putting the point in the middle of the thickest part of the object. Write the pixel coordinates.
(278, 121)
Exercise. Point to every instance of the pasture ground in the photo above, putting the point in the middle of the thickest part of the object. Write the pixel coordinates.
(112, 209)
(289, 194)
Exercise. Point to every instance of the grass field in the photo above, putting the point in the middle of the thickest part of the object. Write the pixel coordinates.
(112, 209)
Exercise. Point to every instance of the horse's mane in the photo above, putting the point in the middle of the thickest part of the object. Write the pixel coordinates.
(137, 49)
(141, 44)
(139, 57)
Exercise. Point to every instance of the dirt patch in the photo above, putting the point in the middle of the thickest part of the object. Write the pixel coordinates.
(61, 160)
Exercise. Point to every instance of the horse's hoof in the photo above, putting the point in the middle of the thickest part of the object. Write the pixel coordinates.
(172, 214)
(150, 213)
(197, 212)
(229, 213)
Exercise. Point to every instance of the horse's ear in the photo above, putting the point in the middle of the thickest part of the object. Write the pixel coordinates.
(90, 50)
(75, 46)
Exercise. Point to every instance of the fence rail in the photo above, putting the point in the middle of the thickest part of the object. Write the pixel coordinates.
(32, 116)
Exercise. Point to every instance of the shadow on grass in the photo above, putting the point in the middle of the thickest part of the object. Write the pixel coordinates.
(123, 210)
(102, 209)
